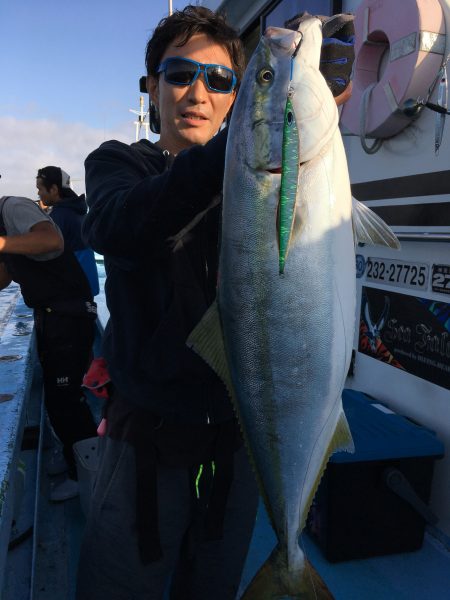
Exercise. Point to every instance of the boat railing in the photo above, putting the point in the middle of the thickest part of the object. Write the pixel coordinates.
(20, 402)
(22, 428)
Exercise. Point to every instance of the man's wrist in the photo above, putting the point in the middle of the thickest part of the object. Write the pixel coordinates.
(2, 242)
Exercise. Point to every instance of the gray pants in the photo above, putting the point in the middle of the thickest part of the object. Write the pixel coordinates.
(110, 566)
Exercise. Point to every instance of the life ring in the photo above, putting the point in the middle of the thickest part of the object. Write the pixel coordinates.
(399, 48)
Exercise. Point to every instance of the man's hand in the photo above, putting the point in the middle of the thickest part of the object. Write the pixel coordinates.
(342, 98)
(42, 238)
(5, 277)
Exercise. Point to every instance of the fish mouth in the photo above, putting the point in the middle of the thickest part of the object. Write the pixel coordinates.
(283, 41)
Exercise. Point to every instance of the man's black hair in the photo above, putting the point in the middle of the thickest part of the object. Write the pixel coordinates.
(182, 25)
(54, 176)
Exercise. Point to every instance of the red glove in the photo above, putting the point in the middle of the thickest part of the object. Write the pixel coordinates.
(97, 378)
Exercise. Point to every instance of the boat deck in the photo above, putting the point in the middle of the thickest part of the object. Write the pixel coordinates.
(47, 537)
(421, 575)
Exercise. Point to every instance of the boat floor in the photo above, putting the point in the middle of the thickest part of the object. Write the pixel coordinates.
(421, 575)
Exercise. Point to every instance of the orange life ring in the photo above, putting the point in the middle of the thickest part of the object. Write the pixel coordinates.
(399, 48)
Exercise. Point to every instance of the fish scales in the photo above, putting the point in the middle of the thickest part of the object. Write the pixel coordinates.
(283, 332)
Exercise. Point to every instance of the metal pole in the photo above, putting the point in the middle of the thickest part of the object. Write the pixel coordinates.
(170, 7)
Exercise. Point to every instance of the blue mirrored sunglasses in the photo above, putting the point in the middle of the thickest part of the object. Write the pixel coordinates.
(184, 71)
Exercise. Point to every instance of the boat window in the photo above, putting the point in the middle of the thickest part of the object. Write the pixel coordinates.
(288, 9)
(250, 39)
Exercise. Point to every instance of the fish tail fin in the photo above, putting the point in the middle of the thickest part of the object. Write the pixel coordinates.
(274, 581)
(369, 228)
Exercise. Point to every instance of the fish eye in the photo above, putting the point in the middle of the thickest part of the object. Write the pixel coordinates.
(265, 76)
(289, 118)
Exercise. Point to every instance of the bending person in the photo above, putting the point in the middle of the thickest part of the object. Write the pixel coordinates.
(67, 210)
(53, 284)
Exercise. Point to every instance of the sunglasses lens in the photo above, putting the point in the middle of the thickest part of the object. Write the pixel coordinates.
(220, 79)
(180, 72)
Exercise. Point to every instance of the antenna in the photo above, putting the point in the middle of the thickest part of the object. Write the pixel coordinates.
(141, 120)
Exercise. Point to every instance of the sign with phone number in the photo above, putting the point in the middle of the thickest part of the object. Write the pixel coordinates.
(399, 273)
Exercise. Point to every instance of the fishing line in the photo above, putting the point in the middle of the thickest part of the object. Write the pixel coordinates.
(438, 76)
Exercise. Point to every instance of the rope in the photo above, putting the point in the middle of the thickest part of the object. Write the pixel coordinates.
(362, 123)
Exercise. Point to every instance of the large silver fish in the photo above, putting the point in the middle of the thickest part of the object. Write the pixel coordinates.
(281, 332)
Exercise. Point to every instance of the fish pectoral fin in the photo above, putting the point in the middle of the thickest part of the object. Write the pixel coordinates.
(274, 581)
(369, 228)
(207, 341)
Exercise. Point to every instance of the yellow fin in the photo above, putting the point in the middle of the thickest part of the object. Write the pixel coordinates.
(340, 442)
(274, 582)
(207, 341)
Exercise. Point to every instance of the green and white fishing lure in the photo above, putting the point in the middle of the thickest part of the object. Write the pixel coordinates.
(290, 165)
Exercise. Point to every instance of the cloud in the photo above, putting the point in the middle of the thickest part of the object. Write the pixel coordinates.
(29, 144)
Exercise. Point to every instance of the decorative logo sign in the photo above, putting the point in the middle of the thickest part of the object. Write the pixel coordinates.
(360, 265)
(407, 332)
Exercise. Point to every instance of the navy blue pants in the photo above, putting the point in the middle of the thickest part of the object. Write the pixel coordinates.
(110, 567)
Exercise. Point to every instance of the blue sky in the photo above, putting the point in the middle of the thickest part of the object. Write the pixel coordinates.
(69, 72)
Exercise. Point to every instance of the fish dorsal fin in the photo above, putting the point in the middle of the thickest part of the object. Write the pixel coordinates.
(207, 341)
(369, 228)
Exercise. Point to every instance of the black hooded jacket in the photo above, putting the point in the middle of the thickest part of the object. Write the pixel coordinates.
(156, 220)
(68, 214)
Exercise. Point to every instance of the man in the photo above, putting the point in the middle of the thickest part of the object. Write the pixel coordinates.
(175, 498)
(53, 284)
(67, 211)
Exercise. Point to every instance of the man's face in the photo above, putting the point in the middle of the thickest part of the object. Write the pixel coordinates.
(47, 197)
(191, 114)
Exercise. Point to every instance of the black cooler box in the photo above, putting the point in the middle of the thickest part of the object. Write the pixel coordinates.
(375, 501)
